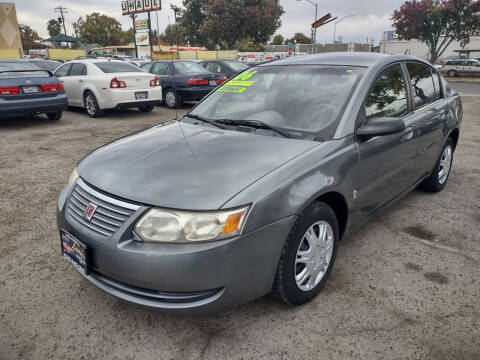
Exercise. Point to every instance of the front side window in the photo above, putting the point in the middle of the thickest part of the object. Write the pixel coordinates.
(388, 96)
(422, 84)
(307, 99)
(161, 69)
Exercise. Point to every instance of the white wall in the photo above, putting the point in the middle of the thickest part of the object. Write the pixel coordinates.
(417, 48)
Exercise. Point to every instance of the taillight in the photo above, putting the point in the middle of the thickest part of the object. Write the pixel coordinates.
(195, 81)
(155, 82)
(10, 90)
(115, 84)
(52, 88)
(221, 80)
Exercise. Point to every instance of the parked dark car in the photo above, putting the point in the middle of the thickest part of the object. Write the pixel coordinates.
(183, 80)
(252, 190)
(227, 67)
(26, 89)
(50, 65)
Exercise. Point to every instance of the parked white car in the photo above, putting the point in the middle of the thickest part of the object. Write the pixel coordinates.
(98, 84)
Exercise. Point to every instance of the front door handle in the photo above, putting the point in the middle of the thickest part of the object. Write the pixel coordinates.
(80, 80)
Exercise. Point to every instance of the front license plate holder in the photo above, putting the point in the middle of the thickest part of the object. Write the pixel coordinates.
(141, 95)
(74, 251)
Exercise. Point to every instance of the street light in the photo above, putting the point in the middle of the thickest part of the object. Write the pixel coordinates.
(314, 32)
(335, 27)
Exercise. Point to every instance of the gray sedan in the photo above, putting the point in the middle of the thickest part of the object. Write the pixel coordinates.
(251, 192)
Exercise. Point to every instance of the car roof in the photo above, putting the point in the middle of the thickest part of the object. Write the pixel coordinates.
(343, 58)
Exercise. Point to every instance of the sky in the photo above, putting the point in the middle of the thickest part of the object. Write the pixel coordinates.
(371, 17)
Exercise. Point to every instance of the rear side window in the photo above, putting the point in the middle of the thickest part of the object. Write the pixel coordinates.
(116, 67)
(437, 84)
(146, 67)
(63, 71)
(422, 84)
(78, 70)
(388, 96)
(213, 67)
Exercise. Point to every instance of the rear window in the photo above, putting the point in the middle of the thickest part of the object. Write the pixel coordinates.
(188, 67)
(46, 65)
(21, 66)
(116, 67)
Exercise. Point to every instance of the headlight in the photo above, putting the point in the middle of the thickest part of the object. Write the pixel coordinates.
(170, 226)
(73, 177)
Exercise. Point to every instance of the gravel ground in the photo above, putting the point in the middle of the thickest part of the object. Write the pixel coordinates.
(405, 285)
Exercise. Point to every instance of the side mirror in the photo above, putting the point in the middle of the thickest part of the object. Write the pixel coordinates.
(380, 126)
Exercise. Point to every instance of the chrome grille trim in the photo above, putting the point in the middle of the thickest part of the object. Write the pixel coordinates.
(110, 213)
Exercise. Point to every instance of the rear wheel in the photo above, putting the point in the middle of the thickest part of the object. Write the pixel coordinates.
(438, 179)
(452, 73)
(91, 105)
(308, 255)
(171, 99)
(146, 108)
(55, 115)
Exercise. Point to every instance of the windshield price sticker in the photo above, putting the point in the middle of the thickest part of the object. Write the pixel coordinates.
(239, 83)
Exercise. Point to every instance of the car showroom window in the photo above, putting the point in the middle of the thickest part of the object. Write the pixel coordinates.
(116, 67)
(422, 84)
(62, 71)
(78, 70)
(437, 83)
(388, 96)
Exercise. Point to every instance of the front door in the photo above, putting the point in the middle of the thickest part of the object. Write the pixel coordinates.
(386, 163)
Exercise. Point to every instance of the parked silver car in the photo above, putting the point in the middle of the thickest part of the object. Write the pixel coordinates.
(461, 67)
(252, 190)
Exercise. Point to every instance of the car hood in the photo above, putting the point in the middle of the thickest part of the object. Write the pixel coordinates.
(186, 166)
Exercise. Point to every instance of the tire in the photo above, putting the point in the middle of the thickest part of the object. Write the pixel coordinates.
(317, 217)
(171, 99)
(146, 108)
(438, 178)
(452, 73)
(91, 105)
(54, 116)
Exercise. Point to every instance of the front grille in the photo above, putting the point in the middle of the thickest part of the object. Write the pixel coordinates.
(109, 215)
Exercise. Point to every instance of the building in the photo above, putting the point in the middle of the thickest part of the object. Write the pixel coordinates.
(417, 48)
(10, 41)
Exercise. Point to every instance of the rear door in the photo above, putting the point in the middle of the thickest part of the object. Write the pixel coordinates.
(429, 115)
(76, 79)
(386, 162)
(472, 68)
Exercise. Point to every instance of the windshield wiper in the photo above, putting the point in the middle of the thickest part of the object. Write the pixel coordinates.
(209, 121)
(256, 124)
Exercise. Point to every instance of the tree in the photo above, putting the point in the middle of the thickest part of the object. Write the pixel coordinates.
(277, 40)
(100, 29)
(170, 35)
(437, 23)
(29, 37)
(248, 45)
(127, 37)
(222, 23)
(54, 28)
(301, 39)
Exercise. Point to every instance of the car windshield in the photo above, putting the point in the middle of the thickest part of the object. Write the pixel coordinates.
(188, 67)
(237, 66)
(22, 66)
(116, 67)
(309, 99)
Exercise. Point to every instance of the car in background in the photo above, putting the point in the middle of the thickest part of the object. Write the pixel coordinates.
(461, 67)
(26, 89)
(50, 65)
(227, 67)
(183, 80)
(97, 85)
(138, 62)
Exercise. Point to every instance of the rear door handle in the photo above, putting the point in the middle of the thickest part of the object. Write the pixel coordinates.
(80, 80)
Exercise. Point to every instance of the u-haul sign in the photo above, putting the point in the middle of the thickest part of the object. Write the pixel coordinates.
(139, 6)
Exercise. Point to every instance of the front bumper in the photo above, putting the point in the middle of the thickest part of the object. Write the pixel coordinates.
(182, 278)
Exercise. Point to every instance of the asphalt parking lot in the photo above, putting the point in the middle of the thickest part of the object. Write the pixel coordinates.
(404, 286)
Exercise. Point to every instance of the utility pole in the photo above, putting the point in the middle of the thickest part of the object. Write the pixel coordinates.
(62, 10)
(134, 35)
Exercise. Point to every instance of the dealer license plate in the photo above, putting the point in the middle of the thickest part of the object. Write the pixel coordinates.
(143, 95)
(74, 251)
(213, 82)
(30, 89)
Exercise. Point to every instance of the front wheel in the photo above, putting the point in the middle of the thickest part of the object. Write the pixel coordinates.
(91, 104)
(172, 99)
(308, 255)
(54, 116)
(438, 179)
(452, 73)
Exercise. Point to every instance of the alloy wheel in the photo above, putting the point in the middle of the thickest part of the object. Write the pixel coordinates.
(445, 164)
(90, 105)
(313, 255)
(170, 98)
